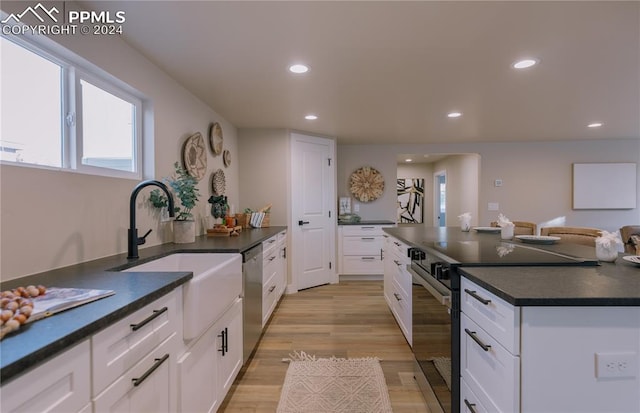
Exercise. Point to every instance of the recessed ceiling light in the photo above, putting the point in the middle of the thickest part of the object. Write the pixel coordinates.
(311, 117)
(408, 160)
(594, 125)
(298, 68)
(524, 63)
(454, 114)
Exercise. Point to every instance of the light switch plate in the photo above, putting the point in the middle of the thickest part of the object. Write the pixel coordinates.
(494, 206)
(497, 182)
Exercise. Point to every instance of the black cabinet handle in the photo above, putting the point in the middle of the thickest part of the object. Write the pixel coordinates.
(470, 406)
(475, 338)
(224, 335)
(301, 222)
(138, 381)
(477, 297)
(397, 296)
(368, 258)
(149, 319)
(273, 287)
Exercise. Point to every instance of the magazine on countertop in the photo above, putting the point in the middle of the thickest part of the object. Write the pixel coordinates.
(57, 299)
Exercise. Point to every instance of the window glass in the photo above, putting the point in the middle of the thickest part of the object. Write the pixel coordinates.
(108, 129)
(31, 110)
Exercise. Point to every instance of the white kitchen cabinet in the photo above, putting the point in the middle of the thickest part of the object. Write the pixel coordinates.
(197, 375)
(535, 359)
(210, 365)
(230, 347)
(60, 385)
(489, 349)
(397, 283)
(273, 273)
(282, 257)
(146, 387)
(360, 249)
(123, 344)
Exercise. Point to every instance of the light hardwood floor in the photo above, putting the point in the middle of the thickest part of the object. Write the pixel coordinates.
(349, 319)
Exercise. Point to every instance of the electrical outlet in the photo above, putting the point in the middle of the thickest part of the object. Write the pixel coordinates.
(619, 365)
(356, 207)
(497, 182)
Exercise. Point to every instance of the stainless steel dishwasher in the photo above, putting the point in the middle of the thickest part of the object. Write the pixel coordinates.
(252, 299)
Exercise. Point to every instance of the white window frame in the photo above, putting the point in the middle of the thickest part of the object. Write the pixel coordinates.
(74, 69)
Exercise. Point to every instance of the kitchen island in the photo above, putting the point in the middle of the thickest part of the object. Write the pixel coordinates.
(560, 336)
(36, 342)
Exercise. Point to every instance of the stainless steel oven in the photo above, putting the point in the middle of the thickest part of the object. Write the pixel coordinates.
(434, 332)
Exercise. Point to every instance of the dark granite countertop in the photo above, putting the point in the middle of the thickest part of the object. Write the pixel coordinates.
(35, 342)
(608, 284)
(368, 222)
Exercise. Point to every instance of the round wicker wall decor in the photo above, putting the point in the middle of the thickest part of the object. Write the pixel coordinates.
(366, 184)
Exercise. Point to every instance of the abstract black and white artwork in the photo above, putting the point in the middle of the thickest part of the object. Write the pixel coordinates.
(410, 200)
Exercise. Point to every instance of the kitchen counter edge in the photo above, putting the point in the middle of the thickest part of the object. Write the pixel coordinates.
(37, 342)
(609, 284)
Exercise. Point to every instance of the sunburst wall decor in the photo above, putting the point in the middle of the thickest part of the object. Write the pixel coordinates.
(366, 184)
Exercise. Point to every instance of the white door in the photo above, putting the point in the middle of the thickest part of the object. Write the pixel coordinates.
(313, 211)
(440, 199)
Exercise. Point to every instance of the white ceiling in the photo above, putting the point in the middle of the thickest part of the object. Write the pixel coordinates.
(388, 72)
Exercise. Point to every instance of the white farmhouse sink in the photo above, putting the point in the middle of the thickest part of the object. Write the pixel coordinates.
(216, 283)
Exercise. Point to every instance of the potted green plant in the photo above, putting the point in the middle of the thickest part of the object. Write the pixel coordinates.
(219, 207)
(184, 187)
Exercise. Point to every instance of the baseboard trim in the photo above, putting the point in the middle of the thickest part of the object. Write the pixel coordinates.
(361, 277)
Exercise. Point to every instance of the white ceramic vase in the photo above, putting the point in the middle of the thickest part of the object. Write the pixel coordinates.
(184, 232)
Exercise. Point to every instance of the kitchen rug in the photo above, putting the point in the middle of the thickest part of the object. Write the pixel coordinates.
(334, 385)
(443, 365)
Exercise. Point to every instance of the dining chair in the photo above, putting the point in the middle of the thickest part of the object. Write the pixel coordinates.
(575, 235)
(521, 227)
(631, 238)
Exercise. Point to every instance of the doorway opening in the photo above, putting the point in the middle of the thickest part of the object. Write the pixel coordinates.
(440, 198)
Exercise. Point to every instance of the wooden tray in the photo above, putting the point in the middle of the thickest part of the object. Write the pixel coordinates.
(224, 231)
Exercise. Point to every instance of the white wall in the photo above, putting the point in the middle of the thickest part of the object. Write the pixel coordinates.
(264, 155)
(536, 177)
(51, 218)
(462, 186)
(380, 157)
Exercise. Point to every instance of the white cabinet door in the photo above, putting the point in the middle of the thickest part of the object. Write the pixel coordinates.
(197, 377)
(61, 385)
(389, 269)
(229, 348)
(146, 387)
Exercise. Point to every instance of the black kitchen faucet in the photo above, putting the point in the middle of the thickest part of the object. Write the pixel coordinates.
(132, 235)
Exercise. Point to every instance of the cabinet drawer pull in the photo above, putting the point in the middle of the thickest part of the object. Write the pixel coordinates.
(273, 287)
(397, 262)
(397, 296)
(158, 362)
(472, 334)
(156, 313)
(224, 335)
(367, 227)
(470, 406)
(477, 297)
(272, 258)
(397, 243)
(368, 258)
(367, 238)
